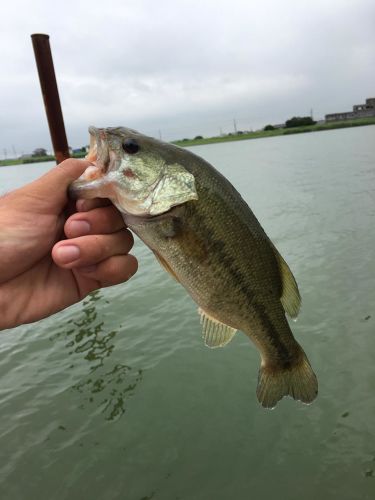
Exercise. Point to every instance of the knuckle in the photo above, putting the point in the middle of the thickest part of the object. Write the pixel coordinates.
(118, 269)
(130, 238)
(106, 247)
(134, 264)
(103, 246)
(125, 240)
(106, 219)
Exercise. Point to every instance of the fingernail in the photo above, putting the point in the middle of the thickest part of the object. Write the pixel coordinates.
(68, 253)
(79, 227)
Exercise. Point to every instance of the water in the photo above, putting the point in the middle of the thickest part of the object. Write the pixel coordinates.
(117, 398)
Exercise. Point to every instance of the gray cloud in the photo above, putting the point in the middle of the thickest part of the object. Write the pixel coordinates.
(184, 67)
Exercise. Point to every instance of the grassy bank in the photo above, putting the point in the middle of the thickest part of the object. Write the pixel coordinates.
(226, 138)
(34, 159)
(280, 131)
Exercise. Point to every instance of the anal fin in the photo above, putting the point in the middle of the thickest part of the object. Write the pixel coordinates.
(215, 333)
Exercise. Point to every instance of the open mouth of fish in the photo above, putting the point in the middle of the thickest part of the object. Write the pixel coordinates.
(93, 178)
(98, 155)
(111, 175)
(99, 179)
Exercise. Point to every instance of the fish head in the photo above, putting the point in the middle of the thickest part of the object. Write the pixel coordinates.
(139, 174)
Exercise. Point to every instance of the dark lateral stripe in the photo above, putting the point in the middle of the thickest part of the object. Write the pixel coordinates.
(218, 248)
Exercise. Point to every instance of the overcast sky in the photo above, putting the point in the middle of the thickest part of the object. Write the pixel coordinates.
(183, 67)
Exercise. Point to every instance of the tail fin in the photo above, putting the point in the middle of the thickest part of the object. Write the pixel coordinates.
(297, 380)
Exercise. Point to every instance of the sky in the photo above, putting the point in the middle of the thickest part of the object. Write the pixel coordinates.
(180, 68)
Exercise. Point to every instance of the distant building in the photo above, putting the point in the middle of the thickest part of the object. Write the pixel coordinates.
(359, 111)
(83, 149)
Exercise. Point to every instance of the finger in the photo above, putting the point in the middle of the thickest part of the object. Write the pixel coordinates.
(112, 271)
(91, 249)
(104, 220)
(54, 184)
(86, 205)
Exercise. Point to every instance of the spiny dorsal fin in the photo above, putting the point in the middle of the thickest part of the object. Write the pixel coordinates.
(215, 333)
(290, 297)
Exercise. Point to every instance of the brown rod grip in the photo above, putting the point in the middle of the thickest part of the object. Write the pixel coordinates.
(48, 84)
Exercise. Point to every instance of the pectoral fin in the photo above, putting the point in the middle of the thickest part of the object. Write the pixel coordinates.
(290, 297)
(215, 333)
(164, 264)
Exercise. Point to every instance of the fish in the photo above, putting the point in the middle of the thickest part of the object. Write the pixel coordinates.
(208, 239)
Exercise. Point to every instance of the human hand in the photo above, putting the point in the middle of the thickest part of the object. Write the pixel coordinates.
(41, 272)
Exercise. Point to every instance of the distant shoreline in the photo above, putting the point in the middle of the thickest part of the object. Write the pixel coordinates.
(33, 159)
(359, 122)
(319, 127)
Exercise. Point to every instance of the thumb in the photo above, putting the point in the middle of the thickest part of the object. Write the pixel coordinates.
(54, 184)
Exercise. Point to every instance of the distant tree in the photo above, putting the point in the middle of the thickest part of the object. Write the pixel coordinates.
(239, 132)
(198, 137)
(299, 121)
(269, 127)
(39, 152)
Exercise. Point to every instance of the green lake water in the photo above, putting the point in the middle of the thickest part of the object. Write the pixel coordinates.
(117, 397)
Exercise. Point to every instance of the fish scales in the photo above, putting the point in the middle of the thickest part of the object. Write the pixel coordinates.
(221, 279)
(222, 275)
(206, 236)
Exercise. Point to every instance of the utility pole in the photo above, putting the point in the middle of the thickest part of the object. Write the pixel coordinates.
(311, 113)
(159, 134)
(5, 153)
(14, 151)
(235, 125)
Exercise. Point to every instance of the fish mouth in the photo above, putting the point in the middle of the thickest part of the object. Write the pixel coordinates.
(98, 153)
(93, 178)
(92, 153)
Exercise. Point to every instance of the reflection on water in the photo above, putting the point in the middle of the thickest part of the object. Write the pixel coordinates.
(108, 385)
(116, 384)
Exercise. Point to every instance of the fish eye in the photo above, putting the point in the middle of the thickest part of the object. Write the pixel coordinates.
(130, 146)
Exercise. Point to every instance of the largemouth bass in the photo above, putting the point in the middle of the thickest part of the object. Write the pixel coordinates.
(204, 234)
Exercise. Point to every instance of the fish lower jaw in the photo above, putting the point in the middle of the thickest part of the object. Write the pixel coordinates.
(98, 153)
(92, 173)
(92, 154)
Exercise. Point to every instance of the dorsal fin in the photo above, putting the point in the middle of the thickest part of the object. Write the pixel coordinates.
(290, 297)
(215, 333)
